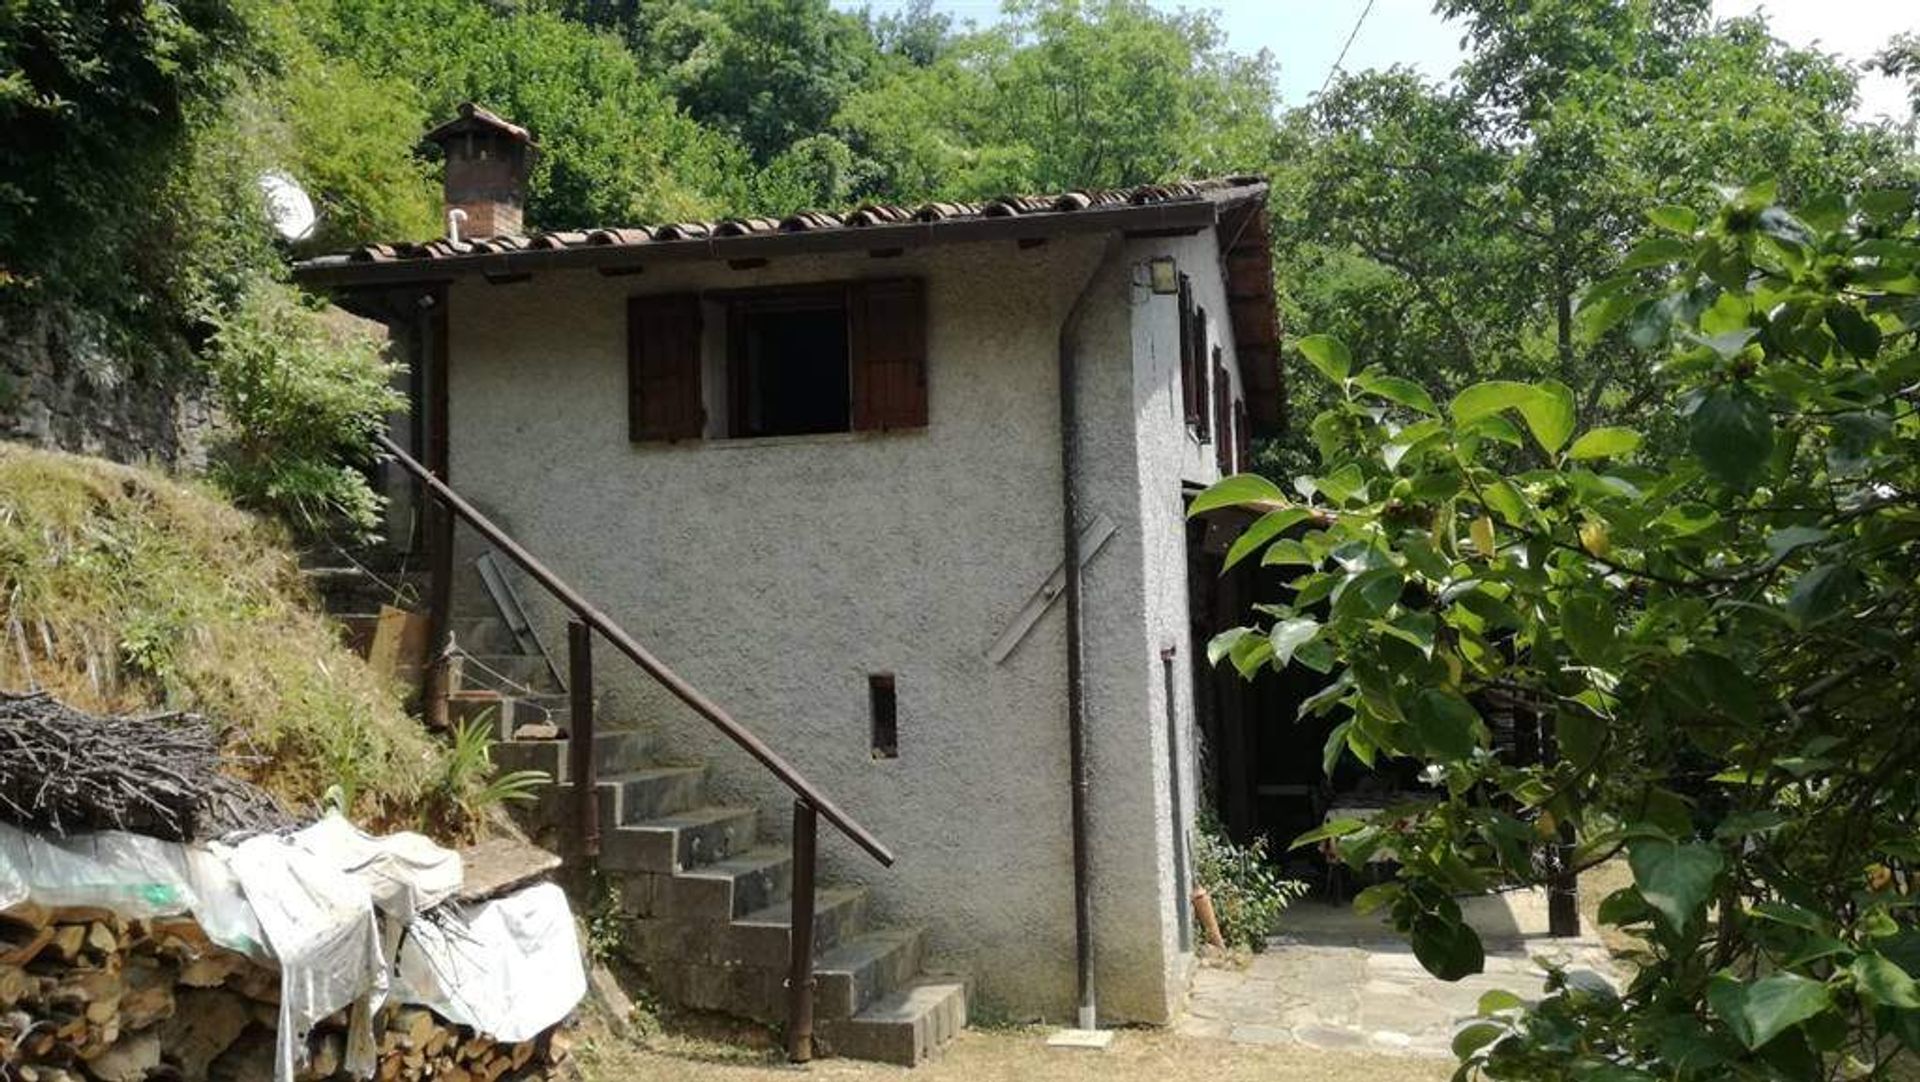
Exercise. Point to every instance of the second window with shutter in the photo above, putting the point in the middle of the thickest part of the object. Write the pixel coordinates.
(834, 357)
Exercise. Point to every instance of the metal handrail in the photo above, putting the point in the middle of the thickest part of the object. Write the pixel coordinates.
(653, 666)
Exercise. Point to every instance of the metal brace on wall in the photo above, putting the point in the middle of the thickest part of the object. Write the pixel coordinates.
(1092, 539)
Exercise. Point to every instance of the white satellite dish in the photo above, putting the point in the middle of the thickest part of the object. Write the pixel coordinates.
(288, 207)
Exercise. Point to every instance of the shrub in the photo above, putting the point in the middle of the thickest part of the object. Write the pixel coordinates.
(1248, 894)
(1712, 636)
(301, 398)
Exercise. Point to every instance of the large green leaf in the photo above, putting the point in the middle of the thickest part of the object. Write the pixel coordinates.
(1368, 594)
(1674, 218)
(1675, 878)
(1820, 593)
(1329, 355)
(1289, 635)
(1547, 407)
(1447, 726)
(1856, 332)
(1731, 433)
(1241, 488)
(1604, 443)
(1886, 983)
(1264, 529)
(1396, 389)
(1222, 644)
(1587, 623)
(1759, 1011)
(1448, 949)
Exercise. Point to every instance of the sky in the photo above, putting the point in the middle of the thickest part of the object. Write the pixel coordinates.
(1306, 36)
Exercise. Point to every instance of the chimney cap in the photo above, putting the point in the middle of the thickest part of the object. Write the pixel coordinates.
(474, 119)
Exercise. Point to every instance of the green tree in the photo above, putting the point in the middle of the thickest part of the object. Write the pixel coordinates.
(768, 72)
(615, 147)
(1064, 94)
(101, 108)
(1716, 640)
(1446, 231)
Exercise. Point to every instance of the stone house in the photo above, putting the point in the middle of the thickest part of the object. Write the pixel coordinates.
(828, 468)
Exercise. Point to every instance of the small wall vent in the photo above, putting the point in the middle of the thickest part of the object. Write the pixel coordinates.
(885, 710)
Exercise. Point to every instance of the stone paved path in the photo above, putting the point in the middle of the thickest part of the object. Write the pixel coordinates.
(1334, 981)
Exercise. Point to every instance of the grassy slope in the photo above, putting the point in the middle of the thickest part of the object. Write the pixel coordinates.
(124, 590)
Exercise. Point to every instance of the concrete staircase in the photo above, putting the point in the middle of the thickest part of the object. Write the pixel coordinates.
(707, 894)
(709, 902)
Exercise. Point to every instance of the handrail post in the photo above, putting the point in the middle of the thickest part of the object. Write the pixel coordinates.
(800, 939)
(581, 765)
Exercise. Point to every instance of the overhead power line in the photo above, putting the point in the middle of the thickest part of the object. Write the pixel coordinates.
(1342, 58)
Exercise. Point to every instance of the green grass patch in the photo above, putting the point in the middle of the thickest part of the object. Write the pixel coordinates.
(124, 590)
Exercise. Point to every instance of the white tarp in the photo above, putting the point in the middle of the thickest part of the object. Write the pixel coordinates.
(328, 905)
(406, 873)
(508, 968)
(323, 930)
(132, 874)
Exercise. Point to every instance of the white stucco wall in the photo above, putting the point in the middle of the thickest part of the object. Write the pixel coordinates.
(776, 574)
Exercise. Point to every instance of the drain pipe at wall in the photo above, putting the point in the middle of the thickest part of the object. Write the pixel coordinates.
(1076, 693)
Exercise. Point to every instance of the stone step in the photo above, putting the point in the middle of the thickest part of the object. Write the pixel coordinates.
(756, 941)
(649, 792)
(615, 753)
(506, 713)
(864, 969)
(725, 889)
(680, 841)
(764, 936)
(905, 1028)
(630, 796)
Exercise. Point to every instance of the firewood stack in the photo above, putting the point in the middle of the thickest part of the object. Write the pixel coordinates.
(86, 995)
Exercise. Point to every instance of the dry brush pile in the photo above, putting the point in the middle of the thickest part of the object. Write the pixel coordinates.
(88, 997)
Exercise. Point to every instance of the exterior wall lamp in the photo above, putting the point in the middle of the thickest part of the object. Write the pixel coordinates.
(1163, 275)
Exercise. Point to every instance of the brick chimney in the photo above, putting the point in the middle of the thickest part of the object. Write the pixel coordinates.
(487, 161)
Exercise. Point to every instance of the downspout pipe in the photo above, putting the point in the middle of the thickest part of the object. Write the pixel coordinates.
(1088, 1013)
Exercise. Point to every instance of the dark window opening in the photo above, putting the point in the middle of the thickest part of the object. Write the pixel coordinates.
(790, 373)
(885, 709)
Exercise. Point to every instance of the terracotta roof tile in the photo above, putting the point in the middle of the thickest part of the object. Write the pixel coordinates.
(870, 214)
(745, 227)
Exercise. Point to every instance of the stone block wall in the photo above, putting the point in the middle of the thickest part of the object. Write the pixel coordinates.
(65, 385)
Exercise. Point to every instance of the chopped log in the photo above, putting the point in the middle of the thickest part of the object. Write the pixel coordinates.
(67, 941)
(204, 1025)
(249, 1059)
(415, 1025)
(28, 916)
(522, 1052)
(128, 1059)
(256, 982)
(16, 984)
(210, 970)
(329, 1055)
(148, 997)
(181, 934)
(20, 951)
(102, 938)
(82, 914)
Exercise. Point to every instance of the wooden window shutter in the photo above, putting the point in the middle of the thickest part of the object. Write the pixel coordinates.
(1242, 438)
(663, 368)
(887, 338)
(1192, 375)
(1222, 415)
(1201, 405)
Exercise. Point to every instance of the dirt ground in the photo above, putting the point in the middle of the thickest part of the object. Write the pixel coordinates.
(1006, 1055)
